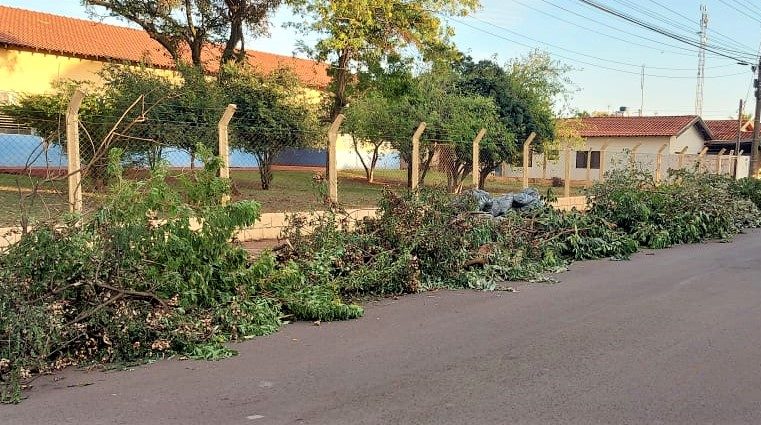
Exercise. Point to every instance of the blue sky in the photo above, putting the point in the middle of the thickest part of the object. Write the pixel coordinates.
(607, 53)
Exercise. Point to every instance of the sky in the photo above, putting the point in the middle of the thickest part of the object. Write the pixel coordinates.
(606, 53)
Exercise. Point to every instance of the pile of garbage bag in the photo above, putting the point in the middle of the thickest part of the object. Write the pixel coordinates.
(498, 206)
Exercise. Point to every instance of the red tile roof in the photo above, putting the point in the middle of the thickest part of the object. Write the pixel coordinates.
(726, 130)
(655, 126)
(65, 36)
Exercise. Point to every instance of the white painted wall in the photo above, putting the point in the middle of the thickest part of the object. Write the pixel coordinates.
(692, 139)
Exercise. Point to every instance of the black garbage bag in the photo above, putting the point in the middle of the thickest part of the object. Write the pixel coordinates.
(526, 198)
(483, 199)
(501, 205)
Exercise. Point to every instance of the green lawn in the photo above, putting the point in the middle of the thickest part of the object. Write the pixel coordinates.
(49, 201)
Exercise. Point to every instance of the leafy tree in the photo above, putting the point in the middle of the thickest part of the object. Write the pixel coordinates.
(455, 117)
(46, 114)
(356, 32)
(525, 92)
(380, 110)
(273, 114)
(368, 120)
(191, 24)
(135, 109)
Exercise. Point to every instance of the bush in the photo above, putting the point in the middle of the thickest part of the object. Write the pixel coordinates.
(690, 207)
(748, 188)
(151, 273)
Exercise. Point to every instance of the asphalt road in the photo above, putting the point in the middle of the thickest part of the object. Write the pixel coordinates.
(672, 337)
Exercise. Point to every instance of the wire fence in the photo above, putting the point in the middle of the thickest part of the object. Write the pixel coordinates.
(42, 177)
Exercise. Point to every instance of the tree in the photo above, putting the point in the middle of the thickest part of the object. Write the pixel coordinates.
(103, 127)
(525, 92)
(273, 114)
(355, 32)
(191, 24)
(370, 120)
(379, 110)
(453, 120)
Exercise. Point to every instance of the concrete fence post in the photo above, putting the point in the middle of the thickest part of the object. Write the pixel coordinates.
(567, 186)
(224, 145)
(603, 161)
(633, 155)
(718, 160)
(526, 153)
(415, 160)
(701, 157)
(332, 158)
(680, 158)
(477, 158)
(659, 162)
(72, 152)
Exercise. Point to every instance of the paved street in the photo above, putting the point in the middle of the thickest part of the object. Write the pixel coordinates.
(671, 337)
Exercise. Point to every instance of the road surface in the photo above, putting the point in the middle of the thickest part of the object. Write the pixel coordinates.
(671, 337)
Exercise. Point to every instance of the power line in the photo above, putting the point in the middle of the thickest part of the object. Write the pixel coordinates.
(727, 53)
(574, 51)
(735, 8)
(578, 60)
(687, 28)
(681, 15)
(634, 43)
(660, 42)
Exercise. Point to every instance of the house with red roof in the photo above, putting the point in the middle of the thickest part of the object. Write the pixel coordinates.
(37, 49)
(726, 134)
(622, 138)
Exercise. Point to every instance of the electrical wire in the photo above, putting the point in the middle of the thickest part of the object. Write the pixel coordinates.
(738, 56)
(660, 42)
(577, 52)
(568, 58)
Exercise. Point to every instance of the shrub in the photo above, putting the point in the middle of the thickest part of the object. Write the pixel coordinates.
(748, 188)
(138, 280)
(689, 207)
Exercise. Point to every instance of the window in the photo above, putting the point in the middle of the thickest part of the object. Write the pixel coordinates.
(583, 156)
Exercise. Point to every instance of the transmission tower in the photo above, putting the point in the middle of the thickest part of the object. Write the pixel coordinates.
(701, 59)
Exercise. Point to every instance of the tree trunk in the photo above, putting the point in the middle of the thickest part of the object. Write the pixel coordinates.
(373, 163)
(265, 169)
(485, 171)
(368, 170)
(341, 82)
(426, 165)
(236, 36)
(408, 160)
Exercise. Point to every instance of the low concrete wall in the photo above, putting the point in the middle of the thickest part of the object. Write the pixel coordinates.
(571, 202)
(270, 225)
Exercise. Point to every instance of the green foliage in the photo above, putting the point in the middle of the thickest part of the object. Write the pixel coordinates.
(748, 188)
(189, 26)
(151, 273)
(525, 92)
(361, 32)
(135, 110)
(211, 351)
(429, 240)
(688, 208)
(273, 114)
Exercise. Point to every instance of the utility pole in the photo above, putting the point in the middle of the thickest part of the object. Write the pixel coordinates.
(701, 60)
(739, 135)
(754, 153)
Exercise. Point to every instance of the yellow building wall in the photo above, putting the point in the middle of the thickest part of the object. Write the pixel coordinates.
(35, 73)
